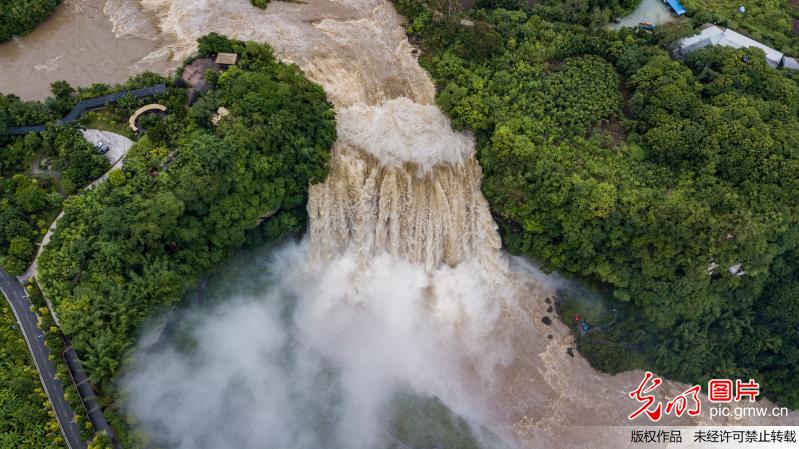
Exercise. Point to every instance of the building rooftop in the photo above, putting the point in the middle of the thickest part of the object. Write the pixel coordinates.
(226, 58)
(714, 35)
(790, 63)
(676, 6)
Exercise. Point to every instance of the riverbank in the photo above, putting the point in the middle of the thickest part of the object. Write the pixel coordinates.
(156, 227)
(79, 44)
(17, 20)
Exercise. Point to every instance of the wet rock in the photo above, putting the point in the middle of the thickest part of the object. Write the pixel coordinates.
(547, 320)
(570, 351)
(547, 300)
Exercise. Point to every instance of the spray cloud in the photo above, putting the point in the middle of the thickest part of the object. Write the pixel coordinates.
(316, 360)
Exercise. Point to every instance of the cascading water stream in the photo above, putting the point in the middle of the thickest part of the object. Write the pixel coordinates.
(388, 193)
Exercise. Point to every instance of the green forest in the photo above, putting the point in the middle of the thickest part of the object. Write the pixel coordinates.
(668, 185)
(19, 17)
(593, 13)
(31, 194)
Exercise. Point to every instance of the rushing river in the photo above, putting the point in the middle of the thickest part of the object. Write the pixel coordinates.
(400, 288)
(81, 44)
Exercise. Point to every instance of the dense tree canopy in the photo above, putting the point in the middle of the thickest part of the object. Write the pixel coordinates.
(78, 161)
(670, 185)
(18, 17)
(586, 12)
(27, 202)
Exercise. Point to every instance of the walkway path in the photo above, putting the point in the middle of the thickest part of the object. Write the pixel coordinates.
(142, 110)
(654, 11)
(93, 103)
(120, 146)
(34, 337)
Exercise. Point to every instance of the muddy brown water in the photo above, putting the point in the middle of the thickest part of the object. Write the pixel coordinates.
(77, 44)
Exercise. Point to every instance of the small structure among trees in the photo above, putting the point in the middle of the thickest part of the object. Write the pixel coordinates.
(226, 59)
(194, 74)
(737, 270)
(220, 113)
(142, 110)
(725, 37)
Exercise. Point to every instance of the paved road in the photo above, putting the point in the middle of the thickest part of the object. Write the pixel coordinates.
(120, 146)
(20, 304)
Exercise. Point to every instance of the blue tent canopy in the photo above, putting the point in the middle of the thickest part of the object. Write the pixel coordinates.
(676, 6)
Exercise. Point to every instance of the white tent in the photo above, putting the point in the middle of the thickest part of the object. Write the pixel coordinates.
(790, 63)
(714, 35)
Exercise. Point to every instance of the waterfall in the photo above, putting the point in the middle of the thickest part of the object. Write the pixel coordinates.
(404, 183)
(403, 196)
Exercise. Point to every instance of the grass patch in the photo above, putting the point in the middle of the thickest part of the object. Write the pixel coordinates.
(104, 120)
